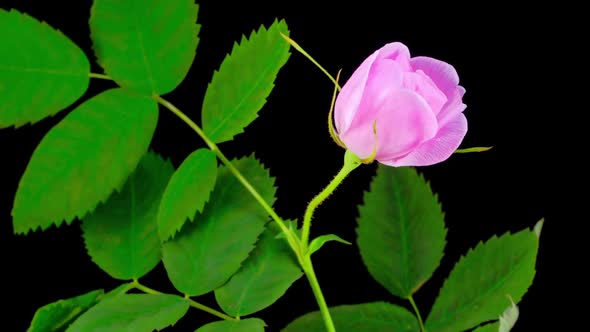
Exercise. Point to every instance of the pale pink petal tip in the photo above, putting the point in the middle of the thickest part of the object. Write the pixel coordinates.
(443, 74)
(438, 149)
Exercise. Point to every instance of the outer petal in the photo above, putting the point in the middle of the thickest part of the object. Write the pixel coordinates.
(453, 107)
(423, 85)
(404, 121)
(437, 149)
(397, 52)
(443, 74)
(385, 77)
(350, 96)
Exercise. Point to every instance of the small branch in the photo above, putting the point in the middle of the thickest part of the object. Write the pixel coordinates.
(135, 284)
(100, 76)
(411, 299)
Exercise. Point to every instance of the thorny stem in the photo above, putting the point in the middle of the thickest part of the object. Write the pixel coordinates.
(351, 162)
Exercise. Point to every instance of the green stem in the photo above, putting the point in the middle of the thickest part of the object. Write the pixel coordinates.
(128, 286)
(100, 76)
(292, 241)
(317, 292)
(135, 284)
(205, 308)
(350, 163)
(411, 299)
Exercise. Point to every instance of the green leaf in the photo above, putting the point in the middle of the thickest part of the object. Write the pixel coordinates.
(245, 79)
(83, 159)
(208, 251)
(145, 45)
(366, 317)
(41, 70)
(493, 327)
(401, 232)
(132, 312)
(58, 315)
(476, 290)
(187, 192)
(121, 235)
(264, 277)
(245, 325)
(319, 241)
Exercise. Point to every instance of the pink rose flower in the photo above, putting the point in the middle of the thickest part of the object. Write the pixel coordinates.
(416, 103)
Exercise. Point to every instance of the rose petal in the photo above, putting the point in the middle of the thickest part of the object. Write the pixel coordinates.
(397, 52)
(350, 95)
(425, 87)
(404, 121)
(453, 107)
(443, 74)
(385, 76)
(437, 149)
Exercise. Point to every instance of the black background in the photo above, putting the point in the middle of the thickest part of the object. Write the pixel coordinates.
(496, 51)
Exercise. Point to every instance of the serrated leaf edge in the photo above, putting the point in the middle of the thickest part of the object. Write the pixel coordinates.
(439, 205)
(61, 303)
(104, 65)
(118, 191)
(18, 125)
(470, 251)
(117, 188)
(228, 57)
(69, 221)
(187, 218)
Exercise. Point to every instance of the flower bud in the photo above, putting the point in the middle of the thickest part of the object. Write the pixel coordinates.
(416, 104)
